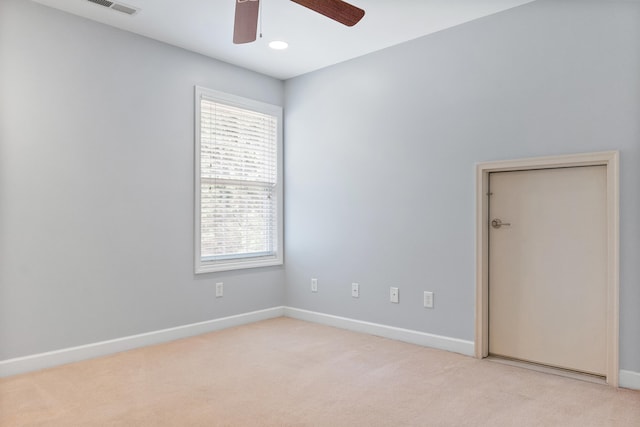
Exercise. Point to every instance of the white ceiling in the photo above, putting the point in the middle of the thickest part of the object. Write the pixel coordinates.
(206, 27)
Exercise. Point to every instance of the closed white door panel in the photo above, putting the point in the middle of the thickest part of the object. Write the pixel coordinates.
(548, 268)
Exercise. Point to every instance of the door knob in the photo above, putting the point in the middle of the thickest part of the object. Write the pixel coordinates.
(497, 223)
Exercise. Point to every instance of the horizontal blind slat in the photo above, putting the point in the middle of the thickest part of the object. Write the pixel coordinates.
(238, 172)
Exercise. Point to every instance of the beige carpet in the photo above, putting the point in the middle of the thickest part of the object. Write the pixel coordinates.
(285, 372)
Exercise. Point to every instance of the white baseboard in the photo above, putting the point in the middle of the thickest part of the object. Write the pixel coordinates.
(629, 379)
(35, 362)
(406, 335)
(19, 365)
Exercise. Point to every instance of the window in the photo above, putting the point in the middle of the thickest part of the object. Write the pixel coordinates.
(238, 203)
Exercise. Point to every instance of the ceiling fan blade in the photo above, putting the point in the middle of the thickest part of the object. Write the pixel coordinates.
(337, 10)
(245, 26)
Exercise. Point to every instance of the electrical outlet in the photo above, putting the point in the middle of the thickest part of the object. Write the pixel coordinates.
(355, 290)
(394, 295)
(219, 289)
(314, 285)
(428, 299)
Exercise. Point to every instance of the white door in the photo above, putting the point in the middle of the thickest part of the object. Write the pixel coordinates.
(548, 267)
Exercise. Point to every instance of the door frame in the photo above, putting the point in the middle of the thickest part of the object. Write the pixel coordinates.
(609, 159)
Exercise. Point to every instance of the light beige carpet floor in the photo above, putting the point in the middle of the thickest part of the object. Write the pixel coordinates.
(285, 372)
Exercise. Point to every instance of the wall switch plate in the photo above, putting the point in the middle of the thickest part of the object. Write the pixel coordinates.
(428, 299)
(394, 296)
(314, 285)
(219, 289)
(355, 290)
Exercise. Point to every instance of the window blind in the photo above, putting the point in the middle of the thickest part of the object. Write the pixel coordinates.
(238, 182)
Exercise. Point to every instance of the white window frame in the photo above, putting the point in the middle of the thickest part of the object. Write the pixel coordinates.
(237, 262)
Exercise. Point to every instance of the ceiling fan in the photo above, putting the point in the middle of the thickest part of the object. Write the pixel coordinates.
(246, 20)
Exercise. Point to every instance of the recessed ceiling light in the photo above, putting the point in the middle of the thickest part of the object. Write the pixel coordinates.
(278, 45)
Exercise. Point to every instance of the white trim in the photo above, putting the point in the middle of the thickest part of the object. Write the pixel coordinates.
(630, 379)
(49, 359)
(610, 159)
(20, 365)
(201, 266)
(406, 335)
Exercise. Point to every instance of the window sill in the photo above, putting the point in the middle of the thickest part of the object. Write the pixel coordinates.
(236, 264)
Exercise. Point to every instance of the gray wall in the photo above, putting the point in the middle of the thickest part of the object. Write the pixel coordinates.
(96, 169)
(380, 155)
(96, 184)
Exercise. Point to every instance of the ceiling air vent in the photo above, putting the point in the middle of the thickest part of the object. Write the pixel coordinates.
(129, 10)
(104, 3)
